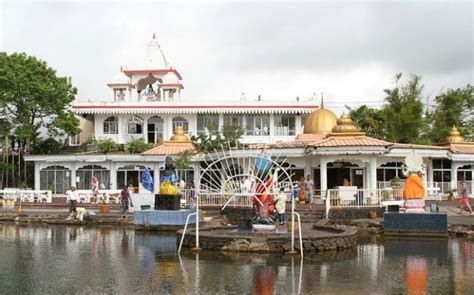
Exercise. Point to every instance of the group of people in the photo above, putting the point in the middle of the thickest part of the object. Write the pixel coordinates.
(304, 190)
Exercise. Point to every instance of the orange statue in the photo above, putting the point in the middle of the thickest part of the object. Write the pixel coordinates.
(414, 188)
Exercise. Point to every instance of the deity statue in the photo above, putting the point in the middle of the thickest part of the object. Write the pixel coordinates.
(120, 95)
(414, 191)
(168, 178)
(263, 200)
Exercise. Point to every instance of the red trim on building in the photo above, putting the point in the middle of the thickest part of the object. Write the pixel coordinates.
(131, 72)
(120, 84)
(195, 107)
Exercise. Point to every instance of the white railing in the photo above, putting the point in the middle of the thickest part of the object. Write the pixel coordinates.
(219, 199)
(33, 196)
(105, 196)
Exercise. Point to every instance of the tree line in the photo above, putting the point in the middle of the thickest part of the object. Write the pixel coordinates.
(404, 118)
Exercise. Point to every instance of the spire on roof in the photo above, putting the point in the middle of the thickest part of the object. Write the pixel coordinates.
(322, 101)
(153, 35)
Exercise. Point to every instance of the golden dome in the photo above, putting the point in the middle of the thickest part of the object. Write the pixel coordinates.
(320, 121)
(454, 136)
(345, 127)
(179, 135)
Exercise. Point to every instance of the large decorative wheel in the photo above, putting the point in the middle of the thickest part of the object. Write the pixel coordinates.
(239, 177)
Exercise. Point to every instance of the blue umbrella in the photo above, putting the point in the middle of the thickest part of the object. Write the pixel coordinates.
(146, 180)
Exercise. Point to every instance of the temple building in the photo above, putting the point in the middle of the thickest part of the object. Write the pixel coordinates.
(147, 103)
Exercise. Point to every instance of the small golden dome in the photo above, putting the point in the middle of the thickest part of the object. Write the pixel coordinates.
(454, 136)
(320, 122)
(345, 127)
(179, 135)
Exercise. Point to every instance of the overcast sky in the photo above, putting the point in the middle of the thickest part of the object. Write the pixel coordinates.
(279, 50)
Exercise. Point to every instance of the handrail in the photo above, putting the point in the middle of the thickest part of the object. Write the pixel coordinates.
(184, 232)
(299, 234)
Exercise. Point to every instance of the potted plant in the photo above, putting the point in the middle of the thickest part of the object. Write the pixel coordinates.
(395, 182)
(103, 207)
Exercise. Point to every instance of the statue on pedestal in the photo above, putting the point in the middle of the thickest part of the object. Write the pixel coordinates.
(168, 178)
(414, 191)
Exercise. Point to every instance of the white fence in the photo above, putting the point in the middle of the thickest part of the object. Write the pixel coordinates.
(104, 196)
(36, 196)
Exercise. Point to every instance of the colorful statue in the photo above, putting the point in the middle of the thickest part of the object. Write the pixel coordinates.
(263, 199)
(414, 191)
(168, 178)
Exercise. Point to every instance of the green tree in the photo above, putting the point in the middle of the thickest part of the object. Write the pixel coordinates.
(453, 107)
(182, 161)
(232, 134)
(47, 146)
(403, 113)
(107, 145)
(138, 145)
(209, 141)
(32, 97)
(369, 120)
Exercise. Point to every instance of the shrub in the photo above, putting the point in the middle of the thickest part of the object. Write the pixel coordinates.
(106, 145)
(138, 146)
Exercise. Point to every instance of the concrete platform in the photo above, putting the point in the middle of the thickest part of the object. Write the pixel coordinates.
(163, 218)
(416, 224)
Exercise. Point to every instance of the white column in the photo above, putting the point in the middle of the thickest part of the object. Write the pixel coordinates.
(373, 173)
(145, 129)
(298, 128)
(221, 122)
(272, 125)
(454, 176)
(307, 167)
(73, 174)
(323, 176)
(37, 176)
(113, 176)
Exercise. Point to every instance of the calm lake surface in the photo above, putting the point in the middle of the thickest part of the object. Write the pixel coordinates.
(91, 260)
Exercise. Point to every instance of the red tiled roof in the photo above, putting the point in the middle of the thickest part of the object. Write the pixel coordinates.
(462, 148)
(340, 141)
(417, 146)
(310, 137)
(169, 148)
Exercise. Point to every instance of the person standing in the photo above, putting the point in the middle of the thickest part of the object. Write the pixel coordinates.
(280, 206)
(309, 189)
(125, 199)
(72, 199)
(95, 189)
(465, 197)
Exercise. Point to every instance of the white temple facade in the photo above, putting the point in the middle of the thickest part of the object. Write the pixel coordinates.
(146, 103)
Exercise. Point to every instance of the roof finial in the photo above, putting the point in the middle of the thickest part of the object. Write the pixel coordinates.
(322, 100)
(153, 35)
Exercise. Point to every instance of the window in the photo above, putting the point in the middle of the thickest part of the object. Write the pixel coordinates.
(389, 171)
(205, 120)
(258, 125)
(75, 139)
(180, 121)
(285, 125)
(111, 125)
(135, 124)
(234, 119)
(85, 174)
(55, 178)
(442, 173)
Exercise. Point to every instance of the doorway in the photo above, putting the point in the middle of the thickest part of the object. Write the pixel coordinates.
(155, 130)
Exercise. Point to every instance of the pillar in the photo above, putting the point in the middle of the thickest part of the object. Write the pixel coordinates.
(454, 176)
(37, 176)
(221, 122)
(113, 176)
(373, 173)
(323, 176)
(73, 174)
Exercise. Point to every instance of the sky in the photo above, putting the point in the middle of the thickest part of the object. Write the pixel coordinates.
(350, 51)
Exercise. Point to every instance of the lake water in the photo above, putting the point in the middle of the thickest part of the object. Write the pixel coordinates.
(85, 260)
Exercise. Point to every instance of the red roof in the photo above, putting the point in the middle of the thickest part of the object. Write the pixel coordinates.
(340, 141)
(169, 148)
(462, 148)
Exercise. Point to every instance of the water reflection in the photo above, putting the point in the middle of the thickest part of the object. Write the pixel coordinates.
(59, 260)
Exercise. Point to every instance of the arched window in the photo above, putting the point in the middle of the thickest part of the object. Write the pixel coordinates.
(180, 121)
(55, 178)
(111, 125)
(85, 174)
(135, 125)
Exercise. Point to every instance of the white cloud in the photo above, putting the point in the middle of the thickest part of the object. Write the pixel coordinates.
(280, 50)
